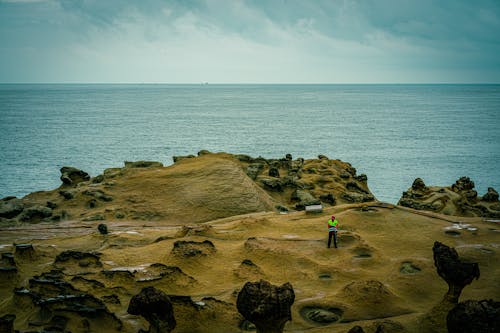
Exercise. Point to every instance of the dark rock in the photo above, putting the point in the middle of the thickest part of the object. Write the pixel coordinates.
(92, 203)
(191, 249)
(456, 273)
(322, 157)
(155, 306)
(254, 169)
(57, 324)
(8, 258)
(73, 176)
(143, 164)
(67, 194)
(274, 172)
(203, 152)
(474, 316)
(103, 229)
(288, 157)
(51, 205)
(7, 323)
(304, 199)
(113, 299)
(98, 194)
(282, 209)
(345, 175)
(362, 178)
(11, 208)
(463, 184)
(356, 329)
(410, 203)
(180, 158)
(357, 197)
(419, 185)
(353, 186)
(322, 316)
(265, 305)
(24, 250)
(491, 195)
(272, 184)
(98, 179)
(35, 213)
(119, 215)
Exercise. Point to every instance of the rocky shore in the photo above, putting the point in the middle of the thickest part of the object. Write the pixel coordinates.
(224, 243)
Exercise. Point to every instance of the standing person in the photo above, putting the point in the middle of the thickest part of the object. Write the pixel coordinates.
(332, 231)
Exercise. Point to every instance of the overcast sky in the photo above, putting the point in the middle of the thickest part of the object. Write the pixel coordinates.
(252, 41)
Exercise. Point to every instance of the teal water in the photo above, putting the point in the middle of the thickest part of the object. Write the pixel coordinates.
(392, 133)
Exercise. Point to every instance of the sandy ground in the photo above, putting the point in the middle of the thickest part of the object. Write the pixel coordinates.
(383, 270)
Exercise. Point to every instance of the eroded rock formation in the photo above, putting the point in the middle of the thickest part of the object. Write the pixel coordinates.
(474, 316)
(265, 305)
(458, 199)
(155, 306)
(456, 273)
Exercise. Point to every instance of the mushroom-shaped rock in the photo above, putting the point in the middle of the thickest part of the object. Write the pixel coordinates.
(155, 306)
(456, 273)
(265, 305)
(103, 229)
(73, 176)
(474, 316)
(419, 185)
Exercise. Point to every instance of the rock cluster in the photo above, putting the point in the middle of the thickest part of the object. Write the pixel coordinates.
(459, 199)
(155, 306)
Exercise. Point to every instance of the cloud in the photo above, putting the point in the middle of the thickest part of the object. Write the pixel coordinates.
(251, 41)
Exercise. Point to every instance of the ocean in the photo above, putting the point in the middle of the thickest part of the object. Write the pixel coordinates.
(391, 133)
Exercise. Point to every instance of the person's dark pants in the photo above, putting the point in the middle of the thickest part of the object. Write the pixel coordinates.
(334, 234)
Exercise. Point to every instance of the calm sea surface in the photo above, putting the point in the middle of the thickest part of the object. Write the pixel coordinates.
(392, 133)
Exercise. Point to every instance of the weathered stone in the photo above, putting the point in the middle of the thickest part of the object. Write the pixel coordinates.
(254, 169)
(491, 195)
(272, 184)
(304, 199)
(11, 207)
(7, 323)
(353, 186)
(328, 198)
(180, 158)
(456, 273)
(419, 185)
(274, 172)
(155, 306)
(191, 249)
(143, 164)
(265, 305)
(103, 229)
(356, 329)
(67, 194)
(24, 250)
(463, 184)
(362, 178)
(474, 316)
(35, 213)
(51, 204)
(322, 157)
(73, 176)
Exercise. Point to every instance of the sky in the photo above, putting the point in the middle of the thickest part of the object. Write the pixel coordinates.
(250, 41)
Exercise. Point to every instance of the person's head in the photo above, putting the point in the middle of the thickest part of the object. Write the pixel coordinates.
(333, 217)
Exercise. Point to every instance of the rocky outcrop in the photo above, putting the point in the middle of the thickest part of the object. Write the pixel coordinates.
(304, 199)
(450, 268)
(188, 249)
(10, 207)
(155, 306)
(265, 305)
(35, 213)
(73, 176)
(474, 316)
(459, 199)
(143, 164)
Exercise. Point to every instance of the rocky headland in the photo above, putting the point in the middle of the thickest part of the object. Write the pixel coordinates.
(224, 243)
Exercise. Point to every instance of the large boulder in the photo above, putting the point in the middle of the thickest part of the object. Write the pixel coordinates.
(155, 306)
(303, 199)
(265, 305)
(474, 316)
(11, 207)
(73, 176)
(35, 213)
(456, 273)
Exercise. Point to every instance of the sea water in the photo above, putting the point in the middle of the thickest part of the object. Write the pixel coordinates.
(391, 133)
